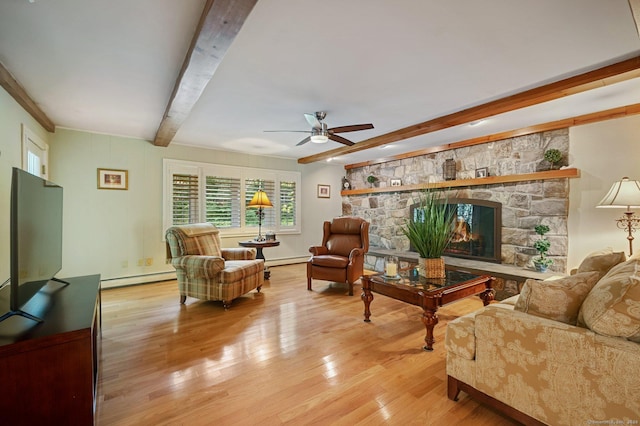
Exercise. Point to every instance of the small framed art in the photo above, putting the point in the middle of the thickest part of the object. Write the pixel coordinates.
(324, 191)
(113, 179)
(482, 172)
(396, 182)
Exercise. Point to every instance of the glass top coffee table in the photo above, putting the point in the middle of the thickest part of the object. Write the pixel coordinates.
(429, 294)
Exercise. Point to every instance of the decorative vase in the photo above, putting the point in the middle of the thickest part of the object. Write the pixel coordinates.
(540, 267)
(431, 268)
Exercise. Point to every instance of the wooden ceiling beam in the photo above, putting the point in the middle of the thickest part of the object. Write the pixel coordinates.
(21, 96)
(219, 24)
(619, 112)
(615, 73)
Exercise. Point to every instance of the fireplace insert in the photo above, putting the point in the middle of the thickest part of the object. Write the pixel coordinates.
(477, 229)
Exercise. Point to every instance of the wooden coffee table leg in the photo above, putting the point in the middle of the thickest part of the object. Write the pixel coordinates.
(429, 319)
(366, 297)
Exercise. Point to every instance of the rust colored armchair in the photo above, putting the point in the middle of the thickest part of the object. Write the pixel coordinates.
(340, 258)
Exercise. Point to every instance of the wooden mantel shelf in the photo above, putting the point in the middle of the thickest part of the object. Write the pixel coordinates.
(489, 180)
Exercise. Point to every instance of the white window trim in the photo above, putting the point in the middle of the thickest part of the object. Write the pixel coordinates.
(34, 143)
(171, 166)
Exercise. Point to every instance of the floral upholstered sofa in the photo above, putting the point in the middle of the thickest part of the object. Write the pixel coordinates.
(563, 352)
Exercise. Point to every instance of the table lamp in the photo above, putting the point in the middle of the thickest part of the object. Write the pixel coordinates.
(624, 193)
(259, 201)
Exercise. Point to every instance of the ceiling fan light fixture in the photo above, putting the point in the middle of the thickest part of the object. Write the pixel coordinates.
(319, 138)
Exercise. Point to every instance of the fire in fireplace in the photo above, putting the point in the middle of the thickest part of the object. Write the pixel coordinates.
(477, 229)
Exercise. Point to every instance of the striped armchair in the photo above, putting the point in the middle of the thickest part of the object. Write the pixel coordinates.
(206, 271)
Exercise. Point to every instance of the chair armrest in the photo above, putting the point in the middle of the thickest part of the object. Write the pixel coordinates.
(238, 253)
(356, 252)
(318, 250)
(199, 266)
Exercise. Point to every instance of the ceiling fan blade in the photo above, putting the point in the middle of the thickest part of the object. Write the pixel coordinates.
(303, 141)
(339, 139)
(288, 131)
(352, 128)
(313, 121)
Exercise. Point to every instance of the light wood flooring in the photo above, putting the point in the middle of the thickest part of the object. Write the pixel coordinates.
(282, 356)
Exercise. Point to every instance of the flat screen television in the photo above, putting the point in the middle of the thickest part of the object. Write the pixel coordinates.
(35, 238)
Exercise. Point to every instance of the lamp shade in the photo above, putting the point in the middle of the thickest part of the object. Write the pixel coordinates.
(623, 193)
(320, 138)
(260, 199)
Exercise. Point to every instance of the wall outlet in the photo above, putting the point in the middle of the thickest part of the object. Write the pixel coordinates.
(148, 261)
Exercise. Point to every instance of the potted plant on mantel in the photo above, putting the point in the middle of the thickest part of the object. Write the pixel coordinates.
(429, 232)
(542, 262)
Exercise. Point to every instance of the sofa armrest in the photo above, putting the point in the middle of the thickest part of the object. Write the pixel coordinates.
(199, 266)
(238, 253)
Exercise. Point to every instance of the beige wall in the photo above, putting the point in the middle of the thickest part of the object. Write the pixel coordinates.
(604, 152)
(111, 231)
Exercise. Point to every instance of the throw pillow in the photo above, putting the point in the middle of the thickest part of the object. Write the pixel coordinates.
(601, 262)
(559, 300)
(612, 308)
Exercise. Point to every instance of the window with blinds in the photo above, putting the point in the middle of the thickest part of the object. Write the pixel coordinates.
(287, 204)
(184, 199)
(219, 194)
(222, 195)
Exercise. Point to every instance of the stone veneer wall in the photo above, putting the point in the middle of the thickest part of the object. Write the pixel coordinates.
(524, 204)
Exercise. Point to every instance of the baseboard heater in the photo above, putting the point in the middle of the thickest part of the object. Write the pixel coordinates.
(167, 276)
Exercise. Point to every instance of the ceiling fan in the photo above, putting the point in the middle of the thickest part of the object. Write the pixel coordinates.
(321, 134)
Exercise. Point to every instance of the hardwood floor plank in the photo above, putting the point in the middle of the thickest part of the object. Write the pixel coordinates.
(285, 356)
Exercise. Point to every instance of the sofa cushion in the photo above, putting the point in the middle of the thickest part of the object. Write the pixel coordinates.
(559, 300)
(612, 308)
(601, 262)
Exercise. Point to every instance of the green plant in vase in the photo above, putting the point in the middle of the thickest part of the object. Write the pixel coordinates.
(430, 231)
(372, 180)
(542, 245)
(554, 157)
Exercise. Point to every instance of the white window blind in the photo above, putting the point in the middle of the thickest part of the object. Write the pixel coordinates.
(184, 199)
(287, 204)
(219, 194)
(222, 196)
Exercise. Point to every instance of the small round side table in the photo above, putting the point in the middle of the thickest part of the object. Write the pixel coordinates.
(259, 245)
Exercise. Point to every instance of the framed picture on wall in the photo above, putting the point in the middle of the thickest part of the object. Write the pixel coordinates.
(324, 191)
(396, 182)
(113, 179)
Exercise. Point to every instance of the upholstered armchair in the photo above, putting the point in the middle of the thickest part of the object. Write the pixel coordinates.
(340, 258)
(206, 271)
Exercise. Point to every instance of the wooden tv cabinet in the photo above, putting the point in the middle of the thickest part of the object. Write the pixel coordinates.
(49, 370)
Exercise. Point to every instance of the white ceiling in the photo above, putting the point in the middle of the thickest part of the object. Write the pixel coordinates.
(110, 66)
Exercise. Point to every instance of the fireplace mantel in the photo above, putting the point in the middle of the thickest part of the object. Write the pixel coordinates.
(489, 180)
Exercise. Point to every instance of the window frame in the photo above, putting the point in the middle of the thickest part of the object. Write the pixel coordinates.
(172, 166)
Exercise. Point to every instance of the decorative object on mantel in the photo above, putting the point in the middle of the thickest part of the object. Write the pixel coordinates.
(260, 201)
(345, 183)
(482, 172)
(449, 169)
(372, 180)
(429, 232)
(396, 182)
(542, 245)
(624, 193)
(554, 157)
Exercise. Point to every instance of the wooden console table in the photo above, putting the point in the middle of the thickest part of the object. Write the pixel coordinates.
(49, 370)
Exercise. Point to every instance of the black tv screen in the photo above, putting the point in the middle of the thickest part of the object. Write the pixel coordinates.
(35, 235)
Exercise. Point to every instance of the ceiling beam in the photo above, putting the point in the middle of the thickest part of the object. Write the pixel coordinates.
(615, 73)
(610, 114)
(18, 93)
(219, 25)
